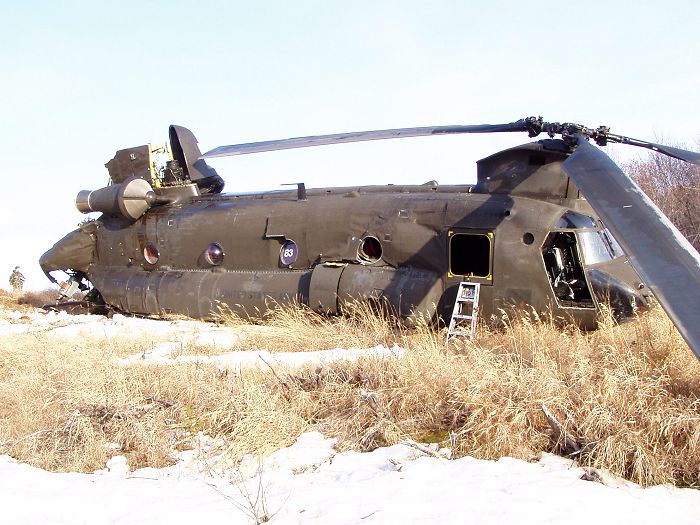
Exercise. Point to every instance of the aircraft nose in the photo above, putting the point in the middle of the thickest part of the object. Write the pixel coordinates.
(76, 251)
(623, 299)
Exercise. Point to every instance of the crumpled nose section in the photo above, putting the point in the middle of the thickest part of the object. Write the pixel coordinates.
(76, 251)
(624, 301)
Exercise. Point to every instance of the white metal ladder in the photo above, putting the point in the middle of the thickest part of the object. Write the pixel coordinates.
(465, 311)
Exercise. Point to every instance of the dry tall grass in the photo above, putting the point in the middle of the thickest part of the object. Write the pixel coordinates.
(628, 394)
(28, 300)
(12, 301)
(297, 328)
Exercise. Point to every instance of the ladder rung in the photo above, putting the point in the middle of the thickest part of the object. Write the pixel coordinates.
(459, 316)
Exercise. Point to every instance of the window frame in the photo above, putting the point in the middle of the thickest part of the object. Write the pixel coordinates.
(489, 234)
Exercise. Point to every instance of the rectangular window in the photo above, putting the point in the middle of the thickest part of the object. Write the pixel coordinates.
(471, 255)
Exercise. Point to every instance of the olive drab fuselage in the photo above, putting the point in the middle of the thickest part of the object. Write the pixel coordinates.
(523, 232)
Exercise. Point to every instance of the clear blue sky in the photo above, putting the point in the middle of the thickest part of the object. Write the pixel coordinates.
(83, 79)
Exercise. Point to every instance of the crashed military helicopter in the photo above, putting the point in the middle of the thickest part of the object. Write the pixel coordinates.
(540, 228)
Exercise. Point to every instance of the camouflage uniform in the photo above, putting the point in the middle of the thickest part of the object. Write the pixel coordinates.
(16, 280)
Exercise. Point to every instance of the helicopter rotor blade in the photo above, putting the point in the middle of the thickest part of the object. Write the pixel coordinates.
(663, 257)
(678, 153)
(533, 125)
(361, 136)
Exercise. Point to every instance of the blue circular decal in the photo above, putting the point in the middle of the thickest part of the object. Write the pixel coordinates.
(289, 253)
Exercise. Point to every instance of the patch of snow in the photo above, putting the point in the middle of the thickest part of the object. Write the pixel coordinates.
(118, 466)
(161, 354)
(310, 482)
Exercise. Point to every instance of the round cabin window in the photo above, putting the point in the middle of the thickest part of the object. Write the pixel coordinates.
(370, 250)
(150, 253)
(214, 254)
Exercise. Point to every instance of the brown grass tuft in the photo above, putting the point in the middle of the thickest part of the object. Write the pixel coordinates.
(10, 301)
(297, 328)
(37, 299)
(31, 299)
(627, 394)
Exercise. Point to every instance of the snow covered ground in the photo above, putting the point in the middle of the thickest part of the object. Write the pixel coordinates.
(311, 482)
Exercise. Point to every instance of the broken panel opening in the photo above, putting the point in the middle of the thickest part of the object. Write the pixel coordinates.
(470, 254)
(563, 262)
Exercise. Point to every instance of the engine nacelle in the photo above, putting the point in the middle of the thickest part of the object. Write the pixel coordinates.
(130, 199)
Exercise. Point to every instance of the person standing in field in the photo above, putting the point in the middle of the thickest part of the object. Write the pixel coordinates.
(16, 280)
